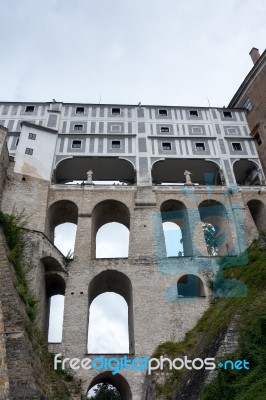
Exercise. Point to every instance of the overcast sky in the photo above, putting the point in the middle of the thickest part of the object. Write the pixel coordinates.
(125, 51)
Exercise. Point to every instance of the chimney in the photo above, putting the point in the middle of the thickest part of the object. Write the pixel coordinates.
(254, 54)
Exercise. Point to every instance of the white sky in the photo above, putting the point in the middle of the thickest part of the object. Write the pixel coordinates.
(154, 51)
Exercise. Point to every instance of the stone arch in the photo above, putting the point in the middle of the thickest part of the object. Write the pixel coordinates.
(116, 380)
(175, 211)
(54, 285)
(117, 282)
(258, 212)
(190, 285)
(214, 213)
(58, 213)
(247, 172)
(105, 212)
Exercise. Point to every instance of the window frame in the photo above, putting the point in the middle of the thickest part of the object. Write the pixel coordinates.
(79, 112)
(164, 129)
(236, 143)
(166, 144)
(78, 129)
(116, 112)
(77, 141)
(29, 111)
(116, 146)
(32, 136)
(200, 144)
(229, 114)
(29, 151)
(194, 113)
(163, 112)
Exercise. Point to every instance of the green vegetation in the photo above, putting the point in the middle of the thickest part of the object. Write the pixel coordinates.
(61, 383)
(251, 312)
(104, 391)
(13, 226)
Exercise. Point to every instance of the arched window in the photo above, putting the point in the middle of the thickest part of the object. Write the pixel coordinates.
(54, 306)
(176, 228)
(258, 212)
(173, 239)
(246, 172)
(190, 285)
(112, 241)
(110, 214)
(61, 225)
(111, 380)
(110, 327)
(216, 227)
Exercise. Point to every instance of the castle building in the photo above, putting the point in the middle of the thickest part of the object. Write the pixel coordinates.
(251, 96)
(186, 165)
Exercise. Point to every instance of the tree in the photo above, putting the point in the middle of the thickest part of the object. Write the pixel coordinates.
(210, 238)
(104, 391)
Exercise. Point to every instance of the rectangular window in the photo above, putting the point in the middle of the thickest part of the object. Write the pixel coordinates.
(200, 146)
(227, 114)
(258, 138)
(17, 142)
(32, 136)
(116, 111)
(29, 151)
(115, 128)
(80, 110)
(237, 146)
(29, 109)
(193, 113)
(165, 129)
(78, 127)
(76, 144)
(163, 113)
(167, 146)
(248, 105)
(116, 144)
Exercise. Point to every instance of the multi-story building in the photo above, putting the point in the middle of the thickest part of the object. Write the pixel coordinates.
(141, 166)
(251, 96)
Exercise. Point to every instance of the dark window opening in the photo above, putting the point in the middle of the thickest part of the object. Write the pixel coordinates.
(167, 146)
(80, 110)
(200, 146)
(17, 142)
(29, 109)
(227, 114)
(116, 144)
(164, 129)
(193, 113)
(76, 144)
(236, 146)
(163, 113)
(258, 138)
(116, 111)
(32, 136)
(78, 127)
(29, 151)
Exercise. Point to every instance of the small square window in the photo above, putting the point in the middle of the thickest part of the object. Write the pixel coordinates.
(200, 146)
(258, 138)
(165, 129)
(116, 111)
(248, 105)
(76, 144)
(29, 151)
(29, 109)
(237, 146)
(80, 110)
(32, 136)
(193, 113)
(167, 146)
(163, 113)
(227, 114)
(116, 144)
(78, 127)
